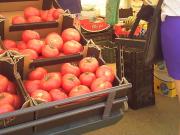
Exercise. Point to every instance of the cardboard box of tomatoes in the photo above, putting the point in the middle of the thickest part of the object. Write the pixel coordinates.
(13, 99)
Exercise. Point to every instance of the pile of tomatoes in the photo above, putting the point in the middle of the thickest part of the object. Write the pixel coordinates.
(53, 45)
(9, 98)
(70, 80)
(32, 15)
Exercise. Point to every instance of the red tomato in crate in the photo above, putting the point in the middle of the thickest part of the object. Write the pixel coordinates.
(87, 78)
(49, 51)
(11, 88)
(6, 98)
(57, 13)
(55, 40)
(88, 64)
(30, 53)
(72, 47)
(17, 102)
(8, 44)
(34, 19)
(51, 11)
(100, 84)
(57, 94)
(51, 81)
(69, 81)
(79, 90)
(32, 86)
(21, 45)
(37, 74)
(29, 35)
(5, 108)
(71, 34)
(31, 11)
(68, 68)
(3, 83)
(41, 95)
(49, 18)
(43, 15)
(105, 72)
(36, 45)
(18, 20)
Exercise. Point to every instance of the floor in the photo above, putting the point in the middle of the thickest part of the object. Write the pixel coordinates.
(161, 119)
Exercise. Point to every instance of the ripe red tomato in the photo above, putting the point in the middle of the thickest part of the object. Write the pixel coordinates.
(88, 64)
(87, 78)
(41, 95)
(32, 86)
(69, 81)
(35, 45)
(5, 108)
(71, 34)
(72, 47)
(31, 11)
(11, 88)
(100, 84)
(54, 39)
(57, 94)
(30, 53)
(44, 14)
(49, 51)
(105, 72)
(68, 68)
(79, 90)
(29, 35)
(18, 20)
(51, 81)
(9, 44)
(57, 13)
(6, 98)
(21, 45)
(33, 19)
(50, 17)
(17, 102)
(37, 74)
(51, 11)
(3, 83)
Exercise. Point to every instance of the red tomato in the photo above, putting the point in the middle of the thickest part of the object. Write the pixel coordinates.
(68, 68)
(54, 39)
(105, 72)
(79, 90)
(18, 20)
(72, 47)
(5, 108)
(41, 95)
(100, 84)
(57, 13)
(29, 35)
(69, 81)
(17, 102)
(21, 45)
(51, 81)
(44, 15)
(37, 74)
(51, 11)
(30, 53)
(3, 83)
(31, 11)
(32, 86)
(87, 78)
(35, 45)
(57, 94)
(11, 88)
(6, 98)
(88, 64)
(9, 44)
(71, 34)
(33, 19)
(49, 51)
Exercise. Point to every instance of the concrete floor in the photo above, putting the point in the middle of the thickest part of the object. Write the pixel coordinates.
(161, 119)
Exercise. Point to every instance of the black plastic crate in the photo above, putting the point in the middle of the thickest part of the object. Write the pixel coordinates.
(136, 72)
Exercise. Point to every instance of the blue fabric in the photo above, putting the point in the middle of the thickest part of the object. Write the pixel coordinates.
(73, 5)
(170, 36)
